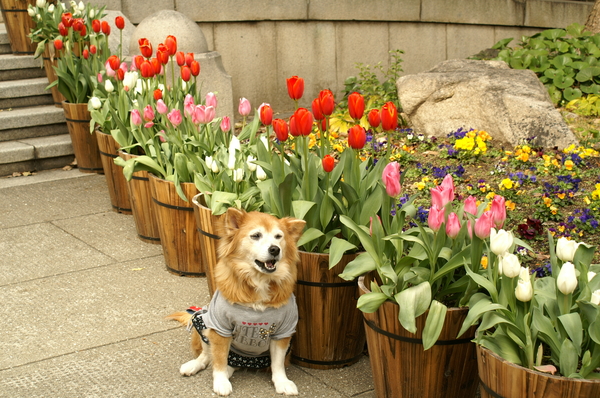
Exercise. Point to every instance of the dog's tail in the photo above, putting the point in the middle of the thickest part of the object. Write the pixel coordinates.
(182, 317)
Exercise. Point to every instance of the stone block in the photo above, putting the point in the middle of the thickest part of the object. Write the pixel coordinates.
(464, 41)
(110, 4)
(14, 151)
(137, 11)
(50, 147)
(313, 58)
(249, 54)
(208, 29)
(25, 117)
(214, 78)
(479, 12)
(556, 14)
(234, 10)
(358, 10)
(424, 44)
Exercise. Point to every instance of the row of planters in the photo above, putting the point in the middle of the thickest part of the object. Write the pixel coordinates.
(427, 290)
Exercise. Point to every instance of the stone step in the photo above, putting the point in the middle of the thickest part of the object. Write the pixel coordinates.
(34, 154)
(4, 40)
(17, 67)
(32, 122)
(22, 93)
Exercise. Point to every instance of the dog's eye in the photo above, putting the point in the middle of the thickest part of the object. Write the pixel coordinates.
(278, 236)
(256, 236)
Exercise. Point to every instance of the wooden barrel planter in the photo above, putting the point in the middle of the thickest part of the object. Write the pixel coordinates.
(177, 227)
(502, 379)
(329, 333)
(115, 180)
(142, 207)
(403, 369)
(49, 57)
(18, 25)
(85, 145)
(207, 223)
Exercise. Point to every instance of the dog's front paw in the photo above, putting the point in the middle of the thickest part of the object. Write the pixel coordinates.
(221, 385)
(192, 367)
(285, 386)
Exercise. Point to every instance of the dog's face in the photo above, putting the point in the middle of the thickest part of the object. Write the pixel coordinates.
(262, 241)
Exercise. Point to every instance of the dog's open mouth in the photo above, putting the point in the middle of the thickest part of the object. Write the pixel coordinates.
(267, 266)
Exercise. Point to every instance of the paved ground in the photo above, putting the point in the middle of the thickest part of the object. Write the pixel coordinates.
(83, 302)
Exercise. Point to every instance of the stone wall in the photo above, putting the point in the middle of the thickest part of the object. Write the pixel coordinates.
(262, 42)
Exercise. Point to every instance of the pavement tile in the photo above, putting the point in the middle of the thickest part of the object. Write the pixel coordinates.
(49, 201)
(80, 310)
(351, 381)
(111, 233)
(42, 250)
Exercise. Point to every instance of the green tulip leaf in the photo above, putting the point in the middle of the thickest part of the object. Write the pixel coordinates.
(362, 264)
(434, 324)
(309, 235)
(477, 309)
(370, 302)
(572, 324)
(413, 302)
(337, 249)
(568, 358)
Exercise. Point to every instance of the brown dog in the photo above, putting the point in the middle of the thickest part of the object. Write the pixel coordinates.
(253, 313)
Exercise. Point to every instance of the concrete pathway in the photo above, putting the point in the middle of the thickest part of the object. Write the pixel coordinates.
(84, 300)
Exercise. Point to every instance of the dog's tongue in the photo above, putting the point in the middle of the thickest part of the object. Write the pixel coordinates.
(270, 264)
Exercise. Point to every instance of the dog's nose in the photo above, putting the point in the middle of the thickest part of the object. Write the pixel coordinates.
(274, 250)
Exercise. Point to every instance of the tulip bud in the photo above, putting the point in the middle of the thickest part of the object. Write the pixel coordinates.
(524, 289)
(567, 279)
(391, 179)
(136, 118)
(266, 114)
(295, 87)
(95, 102)
(389, 116)
(316, 109)
(225, 124)
(328, 163)
(244, 107)
(40, 3)
(120, 22)
(452, 225)
(356, 105)
(327, 102)
(596, 297)
(238, 175)
(510, 265)
(435, 219)
(58, 44)
(471, 205)
(108, 86)
(498, 210)
(260, 173)
(161, 107)
(501, 241)
(186, 73)
(357, 137)
(175, 117)
(30, 11)
(483, 225)
(591, 275)
(565, 249)
(195, 68)
(157, 94)
(211, 99)
(281, 129)
(148, 113)
(250, 162)
(374, 118)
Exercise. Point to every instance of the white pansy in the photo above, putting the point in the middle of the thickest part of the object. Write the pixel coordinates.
(567, 279)
(108, 86)
(260, 173)
(500, 241)
(95, 102)
(510, 265)
(250, 162)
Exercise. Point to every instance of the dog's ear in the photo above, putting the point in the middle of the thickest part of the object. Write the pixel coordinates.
(294, 227)
(233, 219)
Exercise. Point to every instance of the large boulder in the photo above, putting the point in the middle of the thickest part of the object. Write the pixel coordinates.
(511, 105)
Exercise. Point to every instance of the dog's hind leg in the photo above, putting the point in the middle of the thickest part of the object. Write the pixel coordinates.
(202, 351)
(283, 385)
(220, 346)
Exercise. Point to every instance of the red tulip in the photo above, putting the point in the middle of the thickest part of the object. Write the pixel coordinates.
(158, 68)
(78, 24)
(105, 28)
(93, 49)
(67, 19)
(316, 109)
(295, 86)
(328, 163)
(114, 62)
(356, 105)
(171, 43)
(146, 69)
(120, 73)
(120, 22)
(186, 73)
(281, 129)
(389, 116)
(374, 118)
(83, 31)
(180, 58)
(189, 58)
(162, 53)
(137, 61)
(58, 44)
(157, 94)
(86, 53)
(301, 122)
(96, 25)
(327, 102)
(357, 137)
(145, 47)
(266, 114)
(195, 68)
(62, 29)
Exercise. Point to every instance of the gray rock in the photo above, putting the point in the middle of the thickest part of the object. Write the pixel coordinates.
(115, 37)
(511, 105)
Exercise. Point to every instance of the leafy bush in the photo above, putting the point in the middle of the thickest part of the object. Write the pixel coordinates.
(567, 61)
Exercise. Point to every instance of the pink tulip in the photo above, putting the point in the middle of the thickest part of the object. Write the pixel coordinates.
(136, 118)
(244, 107)
(435, 218)
(484, 225)
(149, 125)
(162, 136)
(148, 113)
(211, 100)
(452, 225)
(225, 124)
(203, 114)
(175, 117)
(110, 72)
(124, 67)
(161, 107)
(99, 77)
(188, 105)
(499, 211)
(391, 179)
(443, 193)
(471, 205)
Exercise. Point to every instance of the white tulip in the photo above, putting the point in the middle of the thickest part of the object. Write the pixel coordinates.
(209, 161)
(81, 6)
(51, 8)
(260, 173)
(40, 3)
(591, 275)
(235, 143)
(251, 164)
(596, 297)
(238, 175)
(108, 86)
(92, 14)
(565, 249)
(30, 11)
(524, 291)
(510, 265)
(214, 167)
(95, 102)
(500, 241)
(130, 80)
(567, 279)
